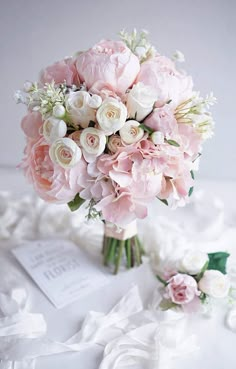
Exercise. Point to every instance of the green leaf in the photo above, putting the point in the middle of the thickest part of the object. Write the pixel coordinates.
(190, 191)
(192, 174)
(204, 268)
(217, 261)
(161, 280)
(91, 123)
(146, 128)
(164, 201)
(76, 203)
(172, 142)
(167, 304)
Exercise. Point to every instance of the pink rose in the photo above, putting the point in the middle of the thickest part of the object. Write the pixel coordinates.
(170, 84)
(108, 62)
(31, 124)
(52, 182)
(181, 289)
(60, 72)
(163, 120)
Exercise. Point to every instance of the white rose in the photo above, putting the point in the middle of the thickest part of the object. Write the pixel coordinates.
(93, 141)
(65, 152)
(111, 115)
(215, 284)
(140, 101)
(157, 138)
(193, 262)
(114, 143)
(77, 105)
(95, 101)
(53, 129)
(131, 132)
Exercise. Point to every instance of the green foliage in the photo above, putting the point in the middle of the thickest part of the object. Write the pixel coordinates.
(76, 203)
(217, 261)
(172, 143)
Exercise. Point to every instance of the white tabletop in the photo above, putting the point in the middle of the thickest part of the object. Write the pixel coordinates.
(215, 340)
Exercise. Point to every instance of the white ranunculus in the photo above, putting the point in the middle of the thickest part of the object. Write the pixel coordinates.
(65, 152)
(157, 138)
(93, 141)
(78, 108)
(214, 283)
(193, 262)
(131, 132)
(114, 143)
(59, 111)
(95, 101)
(111, 115)
(53, 129)
(140, 101)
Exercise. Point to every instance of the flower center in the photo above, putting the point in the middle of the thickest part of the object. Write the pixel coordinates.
(92, 140)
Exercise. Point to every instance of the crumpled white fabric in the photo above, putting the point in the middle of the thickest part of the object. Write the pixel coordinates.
(22, 333)
(130, 334)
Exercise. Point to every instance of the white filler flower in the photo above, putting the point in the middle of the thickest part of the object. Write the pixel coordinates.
(111, 115)
(65, 152)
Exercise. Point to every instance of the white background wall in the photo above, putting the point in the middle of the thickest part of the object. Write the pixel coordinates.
(34, 33)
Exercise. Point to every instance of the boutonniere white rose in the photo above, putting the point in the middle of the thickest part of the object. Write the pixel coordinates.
(93, 141)
(53, 129)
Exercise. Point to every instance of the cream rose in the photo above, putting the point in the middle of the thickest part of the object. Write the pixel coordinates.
(111, 115)
(131, 132)
(65, 152)
(93, 141)
(140, 101)
(193, 262)
(214, 283)
(114, 143)
(78, 106)
(53, 129)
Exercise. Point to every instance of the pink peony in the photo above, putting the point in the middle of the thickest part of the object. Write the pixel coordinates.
(52, 182)
(60, 72)
(31, 124)
(136, 175)
(163, 120)
(181, 289)
(108, 62)
(170, 84)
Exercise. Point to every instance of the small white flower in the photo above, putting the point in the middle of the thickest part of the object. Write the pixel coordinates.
(28, 86)
(95, 101)
(93, 141)
(131, 132)
(65, 152)
(53, 129)
(114, 143)
(77, 105)
(111, 115)
(193, 262)
(204, 125)
(59, 111)
(140, 101)
(215, 284)
(178, 56)
(157, 138)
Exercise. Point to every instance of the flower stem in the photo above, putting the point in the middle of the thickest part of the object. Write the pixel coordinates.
(119, 256)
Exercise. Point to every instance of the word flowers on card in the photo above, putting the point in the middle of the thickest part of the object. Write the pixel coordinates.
(116, 126)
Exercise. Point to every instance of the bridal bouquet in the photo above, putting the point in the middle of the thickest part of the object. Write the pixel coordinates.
(116, 126)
